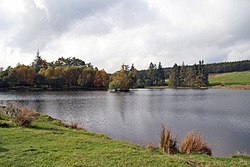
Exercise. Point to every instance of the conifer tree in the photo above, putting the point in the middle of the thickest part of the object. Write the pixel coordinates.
(175, 76)
(160, 75)
(183, 75)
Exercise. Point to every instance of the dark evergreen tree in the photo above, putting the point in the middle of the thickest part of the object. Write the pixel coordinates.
(193, 76)
(202, 75)
(160, 75)
(183, 75)
(152, 71)
(132, 75)
(37, 62)
(189, 76)
(69, 62)
(174, 77)
(39, 80)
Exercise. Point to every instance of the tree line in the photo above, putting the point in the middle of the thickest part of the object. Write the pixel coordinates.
(195, 76)
(157, 76)
(228, 66)
(74, 73)
(64, 73)
(177, 76)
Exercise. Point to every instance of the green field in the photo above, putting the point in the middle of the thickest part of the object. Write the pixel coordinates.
(48, 142)
(232, 78)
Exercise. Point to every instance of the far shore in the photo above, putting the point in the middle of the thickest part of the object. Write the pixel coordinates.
(41, 89)
(241, 87)
(34, 89)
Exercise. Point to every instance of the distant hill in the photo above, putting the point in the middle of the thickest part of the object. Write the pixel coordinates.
(221, 67)
(228, 66)
(231, 78)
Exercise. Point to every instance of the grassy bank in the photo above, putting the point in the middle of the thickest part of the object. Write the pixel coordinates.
(48, 142)
(231, 80)
(237, 80)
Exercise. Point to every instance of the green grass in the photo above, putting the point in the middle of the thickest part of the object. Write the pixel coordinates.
(48, 142)
(232, 78)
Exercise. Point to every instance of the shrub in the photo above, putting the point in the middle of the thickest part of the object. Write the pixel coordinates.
(168, 142)
(193, 142)
(25, 117)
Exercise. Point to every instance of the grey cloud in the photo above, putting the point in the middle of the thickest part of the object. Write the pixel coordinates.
(131, 14)
(139, 31)
(40, 26)
(63, 13)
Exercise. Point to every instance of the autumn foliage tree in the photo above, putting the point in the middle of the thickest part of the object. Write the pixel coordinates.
(25, 75)
(101, 79)
(120, 80)
(71, 75)
(86, 78)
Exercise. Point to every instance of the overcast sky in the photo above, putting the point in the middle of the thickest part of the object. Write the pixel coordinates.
(108, 33)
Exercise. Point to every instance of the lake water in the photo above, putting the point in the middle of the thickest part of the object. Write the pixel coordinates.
(221, 116)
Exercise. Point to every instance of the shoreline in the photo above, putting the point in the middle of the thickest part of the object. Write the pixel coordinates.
(33, 89)
(11, 110)
(46, 89)
(50, 141)
(234, 87)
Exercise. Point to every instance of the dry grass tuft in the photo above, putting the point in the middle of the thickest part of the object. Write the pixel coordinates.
(168, 142)
(25, 117)
(193, 142)
(73, 125)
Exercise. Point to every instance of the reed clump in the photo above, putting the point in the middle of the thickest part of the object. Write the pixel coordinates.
(25, 117)
(168, 142)
(194, 142)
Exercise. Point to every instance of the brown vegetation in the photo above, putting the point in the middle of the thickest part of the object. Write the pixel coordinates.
(238, 86)
(25, 117)
(73, 125)
(193, 142)
(168, 142)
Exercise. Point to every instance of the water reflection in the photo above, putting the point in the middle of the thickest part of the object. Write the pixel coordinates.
(222, 116)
